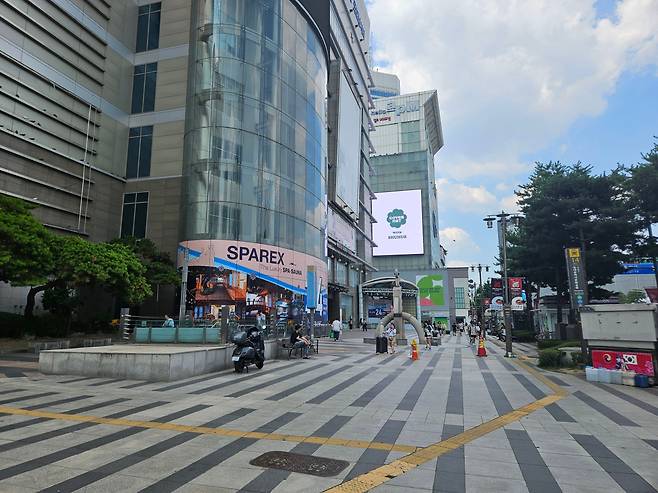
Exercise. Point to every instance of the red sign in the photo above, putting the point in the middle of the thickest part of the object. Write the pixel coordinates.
(652, 293)
(515, 285)
(622, 360)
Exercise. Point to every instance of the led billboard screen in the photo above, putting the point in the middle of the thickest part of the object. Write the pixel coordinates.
(399, 226)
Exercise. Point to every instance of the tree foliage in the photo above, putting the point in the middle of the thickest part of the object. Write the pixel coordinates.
(633, 296)
(160, 269)
(569, 206)
(25, 254)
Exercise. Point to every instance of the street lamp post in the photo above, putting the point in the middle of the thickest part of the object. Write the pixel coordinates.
(479, 267)
(502, 219)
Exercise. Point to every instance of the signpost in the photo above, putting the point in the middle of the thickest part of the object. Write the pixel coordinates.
(577, 286)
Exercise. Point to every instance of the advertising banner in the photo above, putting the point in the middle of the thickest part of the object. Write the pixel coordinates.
(518, 304)
(515, 286)
(430, 290)
(623, 360)
(250, 278)
(399, 226)
(496, 287)
(497, 303)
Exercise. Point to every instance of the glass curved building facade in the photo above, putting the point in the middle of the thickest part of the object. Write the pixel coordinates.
(255, 140)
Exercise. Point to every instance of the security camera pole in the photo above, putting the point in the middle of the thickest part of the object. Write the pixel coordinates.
(502, 220)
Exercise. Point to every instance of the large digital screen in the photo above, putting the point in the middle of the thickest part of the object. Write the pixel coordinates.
(349, 147)
(399, 226)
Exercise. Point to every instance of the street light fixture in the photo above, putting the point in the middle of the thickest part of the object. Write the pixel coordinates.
(479, 267)
(502, 219)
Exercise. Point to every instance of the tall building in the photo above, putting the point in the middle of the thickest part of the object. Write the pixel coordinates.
(205, 126)
(349, 192)
(407, 136)
(406, 139)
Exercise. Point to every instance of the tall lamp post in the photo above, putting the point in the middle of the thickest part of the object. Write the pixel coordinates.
(503, 219)
(479, 267)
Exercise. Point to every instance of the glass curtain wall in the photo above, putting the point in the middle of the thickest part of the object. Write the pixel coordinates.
(255, 140)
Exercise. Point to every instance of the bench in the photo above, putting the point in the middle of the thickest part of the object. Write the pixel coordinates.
(313, 348)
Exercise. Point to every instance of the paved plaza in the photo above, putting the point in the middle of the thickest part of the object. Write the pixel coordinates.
(445, 423)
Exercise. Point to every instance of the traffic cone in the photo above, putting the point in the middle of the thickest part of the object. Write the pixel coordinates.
(482, 351)
(414, 350)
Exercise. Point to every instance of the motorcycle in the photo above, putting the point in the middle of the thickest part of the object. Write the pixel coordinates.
(249, 349)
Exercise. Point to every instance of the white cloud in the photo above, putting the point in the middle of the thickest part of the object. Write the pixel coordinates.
(511, 75)
(458, 243)
(453, 195)
(510, 203)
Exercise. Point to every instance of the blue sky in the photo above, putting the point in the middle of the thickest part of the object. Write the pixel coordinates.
(521, 82)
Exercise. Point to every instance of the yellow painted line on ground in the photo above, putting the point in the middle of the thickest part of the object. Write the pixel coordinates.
(381, 475)
(202, 430)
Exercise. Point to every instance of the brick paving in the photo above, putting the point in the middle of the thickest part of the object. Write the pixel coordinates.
(597, 438)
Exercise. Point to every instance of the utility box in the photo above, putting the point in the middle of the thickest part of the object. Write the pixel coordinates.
(622, 337)
(624, 325)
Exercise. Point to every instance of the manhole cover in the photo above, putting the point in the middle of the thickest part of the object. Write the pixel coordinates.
(305, 464)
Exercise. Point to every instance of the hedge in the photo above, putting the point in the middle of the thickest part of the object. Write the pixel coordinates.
(549, 358)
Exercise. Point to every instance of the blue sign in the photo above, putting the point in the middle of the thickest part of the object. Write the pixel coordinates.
(638, 268)
(311, 290)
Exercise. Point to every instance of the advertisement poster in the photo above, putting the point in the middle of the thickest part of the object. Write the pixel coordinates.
(399, 226)
(518, 304)
(622, 360)
(496, 287)
(497, 303)
(430, 290)
(515, 286)
(249, 278)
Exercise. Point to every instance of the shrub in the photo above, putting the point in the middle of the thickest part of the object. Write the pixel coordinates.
(556, 343)
(549, 358)
(524, 336)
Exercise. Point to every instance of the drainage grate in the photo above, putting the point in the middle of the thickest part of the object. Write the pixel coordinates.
(305, 464)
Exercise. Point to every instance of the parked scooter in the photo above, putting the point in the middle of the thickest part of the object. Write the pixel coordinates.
(249, 349)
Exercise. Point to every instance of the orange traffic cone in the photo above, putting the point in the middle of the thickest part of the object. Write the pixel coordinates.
(414, 350)
(482, 351)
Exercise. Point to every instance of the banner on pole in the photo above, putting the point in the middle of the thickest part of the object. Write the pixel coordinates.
(577, 281)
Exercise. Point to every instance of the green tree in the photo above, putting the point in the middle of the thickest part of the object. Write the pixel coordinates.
(160, 269)
(633, 296)
(569, 206)
(80, 263)
(642, 189)
(25, 254)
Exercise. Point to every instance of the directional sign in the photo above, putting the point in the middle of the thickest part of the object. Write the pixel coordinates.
(577, 281)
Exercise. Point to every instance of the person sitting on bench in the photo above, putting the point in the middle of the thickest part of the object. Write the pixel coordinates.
(297, 340)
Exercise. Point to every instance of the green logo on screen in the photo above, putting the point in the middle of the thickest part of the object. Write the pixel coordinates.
(396, 218)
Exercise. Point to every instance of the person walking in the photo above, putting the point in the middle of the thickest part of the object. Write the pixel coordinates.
(169, 322)
(391, 335)
(350, 324)
(364, 325)
(428, 336)
(474, 331)
(454, 328)
(336, 328)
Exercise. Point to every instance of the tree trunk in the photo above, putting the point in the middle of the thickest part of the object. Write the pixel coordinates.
(31, 298)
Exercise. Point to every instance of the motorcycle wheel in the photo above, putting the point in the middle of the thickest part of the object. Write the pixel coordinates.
(259, 364)
(239, 366)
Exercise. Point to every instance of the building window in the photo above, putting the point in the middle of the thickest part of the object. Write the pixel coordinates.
(133, 220)
(148, 27)
(144, 87)
(140, 141)
(460, 301)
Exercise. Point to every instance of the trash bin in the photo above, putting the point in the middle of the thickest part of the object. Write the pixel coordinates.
(380, 344)
(641, 381)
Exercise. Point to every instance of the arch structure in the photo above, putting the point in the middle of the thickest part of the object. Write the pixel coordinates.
(407, 317)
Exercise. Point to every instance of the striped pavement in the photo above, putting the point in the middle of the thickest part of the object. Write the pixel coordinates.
(67, 433)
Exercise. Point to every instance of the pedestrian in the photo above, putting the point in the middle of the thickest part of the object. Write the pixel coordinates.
(391, 335)
(169, 322)
(298, 341)
(364, 325)
(474, 331)
(428, 336)
(350, 324)
(454, 328)
(336, 328)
